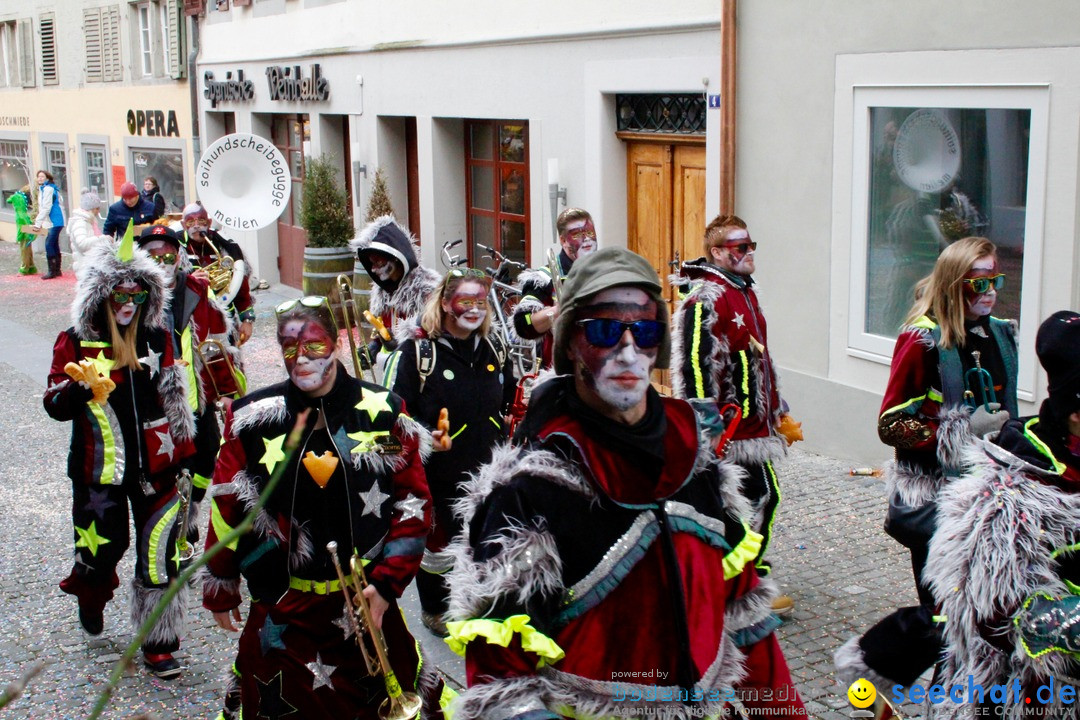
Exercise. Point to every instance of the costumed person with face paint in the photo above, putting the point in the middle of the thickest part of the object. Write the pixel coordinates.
(236, 295)
(927, 418)
(722, 353)
(113, 377)
(536, 312)
(614, 544)
(402, 285)
(19, 201)
(1004, 564)
(357, 479)
(454, 362)
(195, 319)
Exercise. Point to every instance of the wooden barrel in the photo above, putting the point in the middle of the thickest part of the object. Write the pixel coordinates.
(321, 268)
(361, 287)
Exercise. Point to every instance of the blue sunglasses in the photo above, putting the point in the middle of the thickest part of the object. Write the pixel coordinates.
(605, 332)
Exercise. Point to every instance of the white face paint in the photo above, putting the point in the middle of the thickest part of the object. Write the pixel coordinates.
(309, 355)
(466, 307)
(160, 248)
(125, 312)
(980, 305)
(619, 375)
(579, 239)
(728, 255)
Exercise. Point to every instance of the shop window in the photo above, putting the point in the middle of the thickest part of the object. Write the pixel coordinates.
(165, 166)
(94, 169)
(931, 166)
(497, 188)
(14, 172)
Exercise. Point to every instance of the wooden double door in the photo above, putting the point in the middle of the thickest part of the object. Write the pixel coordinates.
(665, 205)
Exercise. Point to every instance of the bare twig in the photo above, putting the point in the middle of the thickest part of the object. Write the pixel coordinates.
(182, 579)
(17, 687)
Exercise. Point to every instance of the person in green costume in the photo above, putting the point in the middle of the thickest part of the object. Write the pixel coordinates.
(18, 200)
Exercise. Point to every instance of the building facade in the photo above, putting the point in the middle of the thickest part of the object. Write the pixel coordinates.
(97, 95)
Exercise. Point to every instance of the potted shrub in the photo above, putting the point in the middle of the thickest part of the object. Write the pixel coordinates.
(377, 206)
(324, 214)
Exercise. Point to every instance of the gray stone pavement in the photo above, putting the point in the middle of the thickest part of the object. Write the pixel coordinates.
(828, 550)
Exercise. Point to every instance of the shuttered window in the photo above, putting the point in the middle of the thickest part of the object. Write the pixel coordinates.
(175, 45)
(101, 28)
(49, 73)
(26, 53)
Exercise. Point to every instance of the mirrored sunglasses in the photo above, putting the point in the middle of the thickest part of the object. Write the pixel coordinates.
(466, 273)
(981, 285)
(742, 248)
(165, 258)
(122, 298)
(309, 301)
(606, 333)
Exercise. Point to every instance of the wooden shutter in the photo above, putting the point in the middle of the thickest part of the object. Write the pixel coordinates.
(26, 53)
(177, 46)
(92, 35)
(111, 62)
(47, 28)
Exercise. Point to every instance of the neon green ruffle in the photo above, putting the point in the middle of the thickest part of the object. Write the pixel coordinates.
(463, 632)
(743, 553)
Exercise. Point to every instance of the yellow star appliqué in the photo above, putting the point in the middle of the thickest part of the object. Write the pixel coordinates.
(274, 454)
(89, 538)
(374, 403)
(365, 440)
(102, 363)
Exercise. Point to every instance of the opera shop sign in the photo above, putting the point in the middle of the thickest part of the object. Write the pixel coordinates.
(289, 83)
(153, 123)
(227, 90)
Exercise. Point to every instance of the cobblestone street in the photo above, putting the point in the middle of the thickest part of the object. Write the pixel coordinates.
(829, 552)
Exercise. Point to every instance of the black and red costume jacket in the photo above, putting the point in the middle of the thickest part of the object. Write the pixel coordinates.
(595, 568)
(720, 350)
(375, 501)
(200, 255)
(537, 293)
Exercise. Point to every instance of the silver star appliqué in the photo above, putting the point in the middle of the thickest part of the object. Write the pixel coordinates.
(321, 673)
(345, 624)
(373, 500)
(739, 320)
(167, 446)
(152, 361)
(411, 507)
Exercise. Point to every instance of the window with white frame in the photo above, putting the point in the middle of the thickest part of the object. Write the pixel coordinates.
(932, 165)
(55, 161)
(93, 164)
(165, 166)
(146, 45)
(9, 59)
(14, 170)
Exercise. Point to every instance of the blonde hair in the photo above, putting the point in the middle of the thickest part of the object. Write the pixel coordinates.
(123, 341)
(940, 295)
(431, 320)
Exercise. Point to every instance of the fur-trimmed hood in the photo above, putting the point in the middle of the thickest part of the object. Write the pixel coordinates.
(102, 271)
(386, 235)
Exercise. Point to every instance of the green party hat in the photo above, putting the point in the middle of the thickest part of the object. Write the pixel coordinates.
(126, 252)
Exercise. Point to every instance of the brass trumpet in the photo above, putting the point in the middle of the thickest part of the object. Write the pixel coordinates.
(358, 349)
(219, 272)
(399, 704)
(977, 378)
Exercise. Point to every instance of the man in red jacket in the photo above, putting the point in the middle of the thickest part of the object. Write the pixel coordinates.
(721, 353)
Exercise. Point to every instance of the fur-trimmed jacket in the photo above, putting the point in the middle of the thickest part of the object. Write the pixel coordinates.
(582, 580)
(537, 293)
(1008, 530)
(375, 499)
(720, 351)
(923, 415)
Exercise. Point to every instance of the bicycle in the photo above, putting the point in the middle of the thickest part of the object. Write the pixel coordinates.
(503, 298)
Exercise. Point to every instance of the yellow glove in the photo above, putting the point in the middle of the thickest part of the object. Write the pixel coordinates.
(789, 429)
(87, 372)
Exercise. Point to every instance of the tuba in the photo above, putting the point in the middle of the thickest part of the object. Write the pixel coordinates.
(358, 350)
(399, 704)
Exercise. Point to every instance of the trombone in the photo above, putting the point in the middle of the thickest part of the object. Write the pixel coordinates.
(556, 273)
(351, 318)
(213, 352)
(399, 704)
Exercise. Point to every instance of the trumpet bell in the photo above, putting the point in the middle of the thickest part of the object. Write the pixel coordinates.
(407, 707)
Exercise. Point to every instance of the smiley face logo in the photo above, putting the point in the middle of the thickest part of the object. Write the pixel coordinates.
(862, 693)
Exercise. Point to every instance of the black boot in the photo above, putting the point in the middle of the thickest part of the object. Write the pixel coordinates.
(54, 268)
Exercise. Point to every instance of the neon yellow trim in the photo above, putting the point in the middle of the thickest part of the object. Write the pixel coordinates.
(241, 381)
(1059, 468)
(187, 353)
(162, 527)
(935, 395)
(318, 587)
(108, 444)
(390, 371)
(528, 319)
(939, 618)
(94, 344)
(743, 553)
(200, 481)
(774, 482)
(745, 383)
(221, 528)
(500, 633)
(1074, 589)
(1067, 548)
(448, 696)
(461, 430)
(695, 350)
(924, 323)
(495, 422)
(900, 408)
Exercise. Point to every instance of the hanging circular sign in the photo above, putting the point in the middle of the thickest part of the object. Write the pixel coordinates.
(927, 151)
(243, 181)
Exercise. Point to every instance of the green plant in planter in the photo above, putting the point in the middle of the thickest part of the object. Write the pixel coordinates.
(324, 210)
(379, 202)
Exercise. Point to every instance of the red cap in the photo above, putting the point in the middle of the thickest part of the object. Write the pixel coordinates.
(128, 190)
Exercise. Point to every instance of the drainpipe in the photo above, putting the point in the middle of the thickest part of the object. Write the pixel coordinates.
(193, 90)
(727, 106)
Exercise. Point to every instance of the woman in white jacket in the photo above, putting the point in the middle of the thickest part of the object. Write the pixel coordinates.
(83, 229)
